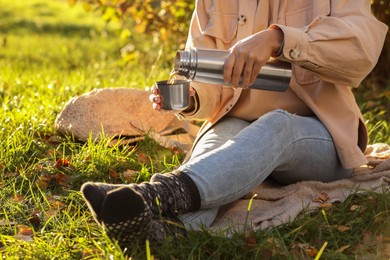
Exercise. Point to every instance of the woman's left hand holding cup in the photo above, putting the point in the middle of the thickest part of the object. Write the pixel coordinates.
(171, 97)
(155, 98)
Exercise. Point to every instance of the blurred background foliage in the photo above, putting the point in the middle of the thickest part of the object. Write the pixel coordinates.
(164, 23)
(149, 25)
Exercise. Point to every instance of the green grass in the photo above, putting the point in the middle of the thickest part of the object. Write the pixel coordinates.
(50, 52)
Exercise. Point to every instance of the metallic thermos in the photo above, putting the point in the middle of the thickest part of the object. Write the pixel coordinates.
(206, 65)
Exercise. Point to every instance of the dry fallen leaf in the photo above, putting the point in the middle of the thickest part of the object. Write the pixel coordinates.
(143, 158)
(51, 213)
(250, 241)
(62, 162)
(354, 207)
(312, 251)
(58, 179)
(62, 180)
(322, 198)
(17, 198)
(114, 175)
(25, 230)
(326, 205)
(44, 181)
(342, 249)
(342, 228)
(129, 175)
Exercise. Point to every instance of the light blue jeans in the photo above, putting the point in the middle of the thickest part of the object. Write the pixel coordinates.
(235, 156)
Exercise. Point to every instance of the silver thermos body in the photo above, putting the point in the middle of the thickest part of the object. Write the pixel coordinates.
(206, 66)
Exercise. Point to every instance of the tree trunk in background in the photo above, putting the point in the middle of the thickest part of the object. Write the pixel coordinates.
(380, 76)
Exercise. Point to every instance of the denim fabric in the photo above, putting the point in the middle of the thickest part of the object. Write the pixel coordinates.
(235, 156)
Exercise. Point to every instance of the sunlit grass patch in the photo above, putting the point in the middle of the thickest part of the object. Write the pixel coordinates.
(50, 52)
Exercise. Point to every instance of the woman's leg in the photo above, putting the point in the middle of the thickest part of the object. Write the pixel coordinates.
(292, 148)
(131, 211)
(219, 134)
(273, 143)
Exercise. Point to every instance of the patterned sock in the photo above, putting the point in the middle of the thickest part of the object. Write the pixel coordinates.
(129, 211)
(170, 194)
(122, 211)
(163, 228)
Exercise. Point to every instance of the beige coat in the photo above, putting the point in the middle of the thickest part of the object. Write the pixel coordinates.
(332, 45)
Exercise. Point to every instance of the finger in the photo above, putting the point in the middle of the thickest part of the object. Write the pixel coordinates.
(156, 106)
(151, 98)
(255, 72)
(237, 71)
(228, 67)
(155, 90)
(247, 73)
(154, 98)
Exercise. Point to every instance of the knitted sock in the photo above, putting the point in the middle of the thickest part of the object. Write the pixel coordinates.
(170, 194)
(163, 228)
(126, 211)
(122, 211)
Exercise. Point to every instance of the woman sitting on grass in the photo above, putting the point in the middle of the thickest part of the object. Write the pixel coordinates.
(313, 131)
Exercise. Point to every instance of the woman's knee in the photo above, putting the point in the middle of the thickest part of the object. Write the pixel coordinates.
(295, 127)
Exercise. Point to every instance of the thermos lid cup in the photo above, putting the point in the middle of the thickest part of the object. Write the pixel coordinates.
(175, 95)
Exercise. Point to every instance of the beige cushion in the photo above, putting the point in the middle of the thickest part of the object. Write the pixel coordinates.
(125, 113)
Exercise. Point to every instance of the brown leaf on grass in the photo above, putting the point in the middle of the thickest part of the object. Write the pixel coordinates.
(326, 205)
(58, 204)
(56, 179)
(114, 175)
(62, 162)
(342, 228)
(321, 198)
(25, 230)
(51, 213)
(44, 181)
(54, 209)
(129, 175)
(62, 180)
(298, 250)
(312, 251)
(17, 198)
(90, 253)
(143, 158)
(250, 241)
(343, 248)
(176, 151)
(302, 250)
(275, 245)
(52, 199)
(354, 207)
(55, 203)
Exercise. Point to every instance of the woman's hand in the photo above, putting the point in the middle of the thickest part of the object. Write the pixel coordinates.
(156, 100)
(250, 54)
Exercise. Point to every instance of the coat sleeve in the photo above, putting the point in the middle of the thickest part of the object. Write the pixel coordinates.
(342, 47)
(208, 97)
